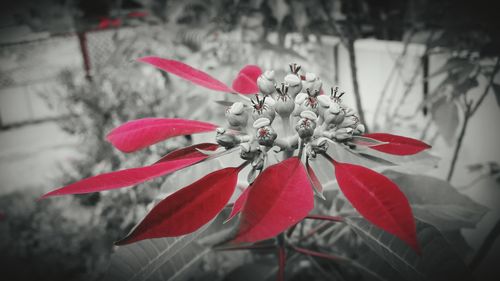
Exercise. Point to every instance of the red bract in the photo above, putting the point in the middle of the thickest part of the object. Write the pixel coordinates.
(282, 194)
(246, 81)
(138, 134)
(377, 199)
(188, 209)
(185, 71)
(238, 204)
(397, 145)
(279, 198)
(174, 161)
(192, 151)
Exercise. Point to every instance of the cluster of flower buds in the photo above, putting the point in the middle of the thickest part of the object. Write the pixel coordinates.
(291, 115)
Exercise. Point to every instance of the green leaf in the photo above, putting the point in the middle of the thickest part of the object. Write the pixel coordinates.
(439, 261)
(167, 259)
(437, 202)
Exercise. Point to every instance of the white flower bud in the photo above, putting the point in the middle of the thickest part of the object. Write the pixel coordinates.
(309, 115)
(263, 108)
(343, 134)
(334, 115)
(294, 84)
(307, 124)
(236, 115)
(266, 83)
(350, 121)
(360, 129)
(309, 81)
(261, 122)
(324, 103)
(284, 105)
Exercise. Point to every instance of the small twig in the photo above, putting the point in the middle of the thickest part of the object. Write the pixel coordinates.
(318, 254)
(487, 89)
(467, 115)
(323, 217)
(281, 257)
(469, 111)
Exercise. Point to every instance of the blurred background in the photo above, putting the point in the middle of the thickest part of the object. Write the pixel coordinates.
(421, 68)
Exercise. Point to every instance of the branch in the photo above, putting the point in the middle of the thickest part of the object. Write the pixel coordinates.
(469, 111)
(487, 89)
(327, 218)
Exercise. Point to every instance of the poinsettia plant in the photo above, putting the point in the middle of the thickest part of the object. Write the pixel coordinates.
(277, 128)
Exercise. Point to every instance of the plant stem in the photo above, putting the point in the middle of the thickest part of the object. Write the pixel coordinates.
(281, 257)
(327, 218)
(459, 142)
(470, 110)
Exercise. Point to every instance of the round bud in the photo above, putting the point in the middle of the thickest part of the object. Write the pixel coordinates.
(360, 129)
(306, 124)
(334, 115)
(236, 115)
(308, 83)
(343, 134)
(266, 83)
(323, 104)
(261, 122)
(266, 135)
(294, 84)
(284, 106)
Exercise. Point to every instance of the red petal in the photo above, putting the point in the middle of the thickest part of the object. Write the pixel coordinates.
(187, 72)
(189, 152)
(379, 200)
(397, 145)
(123, 178)
(238, 204)
(280, 197)
(316, 184)
(246, 81)
(188, 209)
(141, 133)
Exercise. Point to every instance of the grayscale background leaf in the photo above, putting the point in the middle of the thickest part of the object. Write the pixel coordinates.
(439, 261)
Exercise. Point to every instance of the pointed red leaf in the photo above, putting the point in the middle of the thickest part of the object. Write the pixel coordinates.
(189, 152)
(377, 199)
(316, 184)
(188, 209)
(238, 204)
(141, 133)
(124, 178)
(252, 71)
(397, 145)
(280, 197)
(244, 85)
(187, 72)
(246, 81)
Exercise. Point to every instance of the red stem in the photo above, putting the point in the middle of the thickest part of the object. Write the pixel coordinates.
(282, 263)
(250, 247)
(317, 254)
